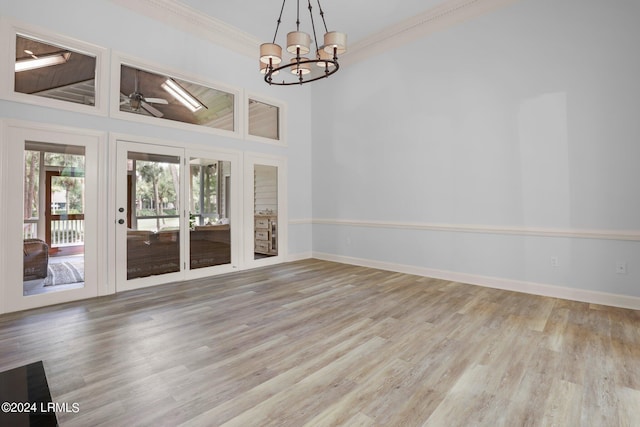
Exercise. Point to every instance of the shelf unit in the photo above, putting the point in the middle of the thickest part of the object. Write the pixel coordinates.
(266, 234)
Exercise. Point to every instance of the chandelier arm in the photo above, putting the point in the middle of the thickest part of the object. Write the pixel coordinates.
(279, 21)
(313, 26)
(322, 16)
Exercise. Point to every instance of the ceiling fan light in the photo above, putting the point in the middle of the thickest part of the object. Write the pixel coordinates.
(181, 95)
(42, 61)
(270, 52)
(135, 102)
(298, 40)
(337, 40)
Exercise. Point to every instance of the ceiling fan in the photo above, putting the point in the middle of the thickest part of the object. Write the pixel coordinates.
(137, 100)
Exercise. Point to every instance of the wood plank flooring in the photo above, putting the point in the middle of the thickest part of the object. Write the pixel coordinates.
(315, 343)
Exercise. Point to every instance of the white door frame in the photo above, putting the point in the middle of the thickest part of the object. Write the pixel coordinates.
(118, 148)
(14, 135)
(120, 256)
(251, 159)
(236, 212)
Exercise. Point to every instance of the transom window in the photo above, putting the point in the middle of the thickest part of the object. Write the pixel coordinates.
(162, 96)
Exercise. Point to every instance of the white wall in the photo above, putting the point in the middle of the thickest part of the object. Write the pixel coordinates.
(108, 25)
(483, 151)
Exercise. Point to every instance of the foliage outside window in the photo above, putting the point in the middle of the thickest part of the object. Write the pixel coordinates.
(156, 203)
(209, 192)
(31, 208)
(67, 189)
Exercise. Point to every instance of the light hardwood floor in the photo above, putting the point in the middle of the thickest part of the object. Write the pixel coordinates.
(314, 343)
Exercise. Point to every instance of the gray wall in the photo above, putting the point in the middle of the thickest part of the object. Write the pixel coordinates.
(521, 127)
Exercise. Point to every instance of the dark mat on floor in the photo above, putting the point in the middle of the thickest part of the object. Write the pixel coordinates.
(24, 395)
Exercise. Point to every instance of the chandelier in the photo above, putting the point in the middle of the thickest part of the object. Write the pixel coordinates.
(299, 68)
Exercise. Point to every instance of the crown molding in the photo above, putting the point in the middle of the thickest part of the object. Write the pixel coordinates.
(190, 20)
(441, 17)
(447, 14)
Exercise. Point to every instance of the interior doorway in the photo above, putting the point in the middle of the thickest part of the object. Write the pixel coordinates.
(64, 212)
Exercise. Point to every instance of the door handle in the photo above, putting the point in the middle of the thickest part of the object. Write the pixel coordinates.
(121, 221)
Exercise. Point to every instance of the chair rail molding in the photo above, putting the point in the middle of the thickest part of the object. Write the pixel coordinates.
(300, 221)
(629, 235)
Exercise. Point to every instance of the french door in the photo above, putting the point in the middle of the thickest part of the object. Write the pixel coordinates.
(176, 214)
(53, 216)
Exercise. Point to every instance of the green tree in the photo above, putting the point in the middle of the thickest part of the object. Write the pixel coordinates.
(31, 178)
(159, 183)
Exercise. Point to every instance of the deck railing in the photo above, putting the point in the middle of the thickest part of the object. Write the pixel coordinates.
(67, 232)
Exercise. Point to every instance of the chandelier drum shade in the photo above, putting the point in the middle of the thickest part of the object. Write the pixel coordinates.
(309, 61)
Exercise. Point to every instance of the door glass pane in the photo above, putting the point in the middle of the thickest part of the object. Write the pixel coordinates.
(210, 228)
(53, 212)
(153, 220)
(265, 181)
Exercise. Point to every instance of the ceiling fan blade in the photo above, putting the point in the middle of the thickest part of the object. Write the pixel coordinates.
(156, 101)
(151, 110)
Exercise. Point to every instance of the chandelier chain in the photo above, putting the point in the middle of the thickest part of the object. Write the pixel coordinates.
(279, 21)
(326, 30)
(313, 26)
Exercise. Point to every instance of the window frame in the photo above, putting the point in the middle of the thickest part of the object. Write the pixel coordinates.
(119, 59)
(282, 114)
(10, 30)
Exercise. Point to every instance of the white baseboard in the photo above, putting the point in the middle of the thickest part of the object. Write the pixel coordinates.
(582, 295)
(299, 257)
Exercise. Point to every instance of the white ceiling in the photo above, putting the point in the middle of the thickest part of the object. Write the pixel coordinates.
(358, 18)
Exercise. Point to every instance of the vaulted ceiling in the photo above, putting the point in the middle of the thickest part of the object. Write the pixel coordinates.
(358, 18)
(372, 26)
